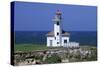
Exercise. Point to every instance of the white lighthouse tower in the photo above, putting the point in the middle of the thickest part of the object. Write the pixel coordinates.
(57, 28)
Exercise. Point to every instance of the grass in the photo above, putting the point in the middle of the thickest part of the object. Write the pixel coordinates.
(35, 47)
(29, 47)
(89, 47)
(32, 47)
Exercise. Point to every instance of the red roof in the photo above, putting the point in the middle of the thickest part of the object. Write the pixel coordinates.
(58, 12)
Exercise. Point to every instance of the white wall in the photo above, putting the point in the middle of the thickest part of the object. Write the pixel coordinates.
(65, 38)
(57, 29)
(48, 41)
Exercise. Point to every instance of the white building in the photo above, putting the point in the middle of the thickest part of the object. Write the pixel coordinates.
(59, 37)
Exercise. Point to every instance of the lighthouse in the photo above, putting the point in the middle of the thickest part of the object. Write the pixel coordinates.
(58, 37)
(57, 28)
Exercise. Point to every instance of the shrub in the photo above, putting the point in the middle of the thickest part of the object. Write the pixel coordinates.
(53, 59)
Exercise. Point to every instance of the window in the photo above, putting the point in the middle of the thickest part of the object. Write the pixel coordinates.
(55, 38)
(57, 23)
(65, 41)
(57, 33)
(57, 42)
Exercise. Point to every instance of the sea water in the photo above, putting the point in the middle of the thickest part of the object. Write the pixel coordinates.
(39, 37)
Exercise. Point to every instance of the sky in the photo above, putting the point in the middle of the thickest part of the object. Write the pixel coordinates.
(30, 16)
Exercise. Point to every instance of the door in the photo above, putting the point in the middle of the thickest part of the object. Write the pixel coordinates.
(65, 42)
(50, 42)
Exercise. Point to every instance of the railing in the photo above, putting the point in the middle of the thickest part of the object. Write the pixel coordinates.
(71, 44)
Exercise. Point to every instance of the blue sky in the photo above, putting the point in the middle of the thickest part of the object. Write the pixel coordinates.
(38, 17)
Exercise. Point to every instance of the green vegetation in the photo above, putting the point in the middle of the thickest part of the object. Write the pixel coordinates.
(35, 47)
(28, 47)
(53, 59)
(32, 47)
(56, 54)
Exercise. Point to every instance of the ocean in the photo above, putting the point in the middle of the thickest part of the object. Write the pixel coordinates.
(88, 38)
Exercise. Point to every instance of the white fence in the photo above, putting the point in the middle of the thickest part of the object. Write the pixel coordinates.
(71, 44)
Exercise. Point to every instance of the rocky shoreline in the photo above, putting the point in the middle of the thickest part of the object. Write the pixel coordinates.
(56, 55)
